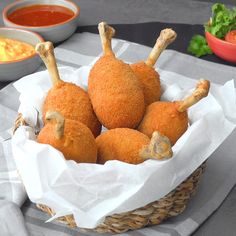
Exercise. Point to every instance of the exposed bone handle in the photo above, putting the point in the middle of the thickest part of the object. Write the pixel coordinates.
(60, 122)
(159, 148)
(200, 92)
(46, 52)
(166, 37)
(106, 33)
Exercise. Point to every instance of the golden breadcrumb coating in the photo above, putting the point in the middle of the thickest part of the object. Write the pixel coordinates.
(121, 144)
(77, 142)
(73, 103)
(150, 81)
(165, 118)
(116, 94)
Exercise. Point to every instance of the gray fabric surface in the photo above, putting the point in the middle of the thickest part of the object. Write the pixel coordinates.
(113, 11)
(12, 222)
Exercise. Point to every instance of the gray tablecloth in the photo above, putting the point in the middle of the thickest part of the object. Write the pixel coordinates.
(219, 177)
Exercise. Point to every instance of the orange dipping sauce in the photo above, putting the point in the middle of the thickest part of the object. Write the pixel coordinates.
(11, 50)
(40, 15)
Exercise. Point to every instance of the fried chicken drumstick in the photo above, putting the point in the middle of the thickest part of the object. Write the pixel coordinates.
(67, 98)
(72, 138)
(171, 118)
(145, 72)
(131, 146)
(116, 94)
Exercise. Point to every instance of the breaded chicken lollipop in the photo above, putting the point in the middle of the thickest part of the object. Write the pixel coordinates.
(145, 72)
(131, 146)
(72, 138)
(171, 118)
(116, 94)
(67, 98)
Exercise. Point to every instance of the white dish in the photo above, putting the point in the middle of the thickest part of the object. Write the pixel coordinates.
(16, 69)
(54, 33)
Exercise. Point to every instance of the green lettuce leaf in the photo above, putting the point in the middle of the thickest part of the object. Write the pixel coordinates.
(223, 20)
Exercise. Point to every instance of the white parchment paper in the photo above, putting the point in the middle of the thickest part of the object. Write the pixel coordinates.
(91, 191)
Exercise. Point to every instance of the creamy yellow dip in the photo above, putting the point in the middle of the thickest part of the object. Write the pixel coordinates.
(11, 49)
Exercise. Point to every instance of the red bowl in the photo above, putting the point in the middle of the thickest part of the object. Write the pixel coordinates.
(221, 48)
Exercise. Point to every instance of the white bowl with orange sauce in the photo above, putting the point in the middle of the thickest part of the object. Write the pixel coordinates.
(17, 55)
(54, 20)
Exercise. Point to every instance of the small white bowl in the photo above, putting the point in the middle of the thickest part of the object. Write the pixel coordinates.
(54, 33)
(13, 70)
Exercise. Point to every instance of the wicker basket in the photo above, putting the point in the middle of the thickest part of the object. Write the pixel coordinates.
(154, 213)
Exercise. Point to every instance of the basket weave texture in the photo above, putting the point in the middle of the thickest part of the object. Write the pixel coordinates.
(154, 213)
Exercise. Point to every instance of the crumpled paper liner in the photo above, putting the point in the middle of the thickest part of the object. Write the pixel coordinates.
(91, 191)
